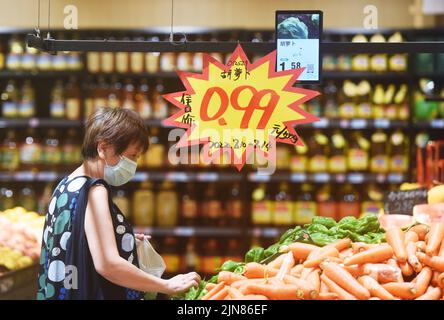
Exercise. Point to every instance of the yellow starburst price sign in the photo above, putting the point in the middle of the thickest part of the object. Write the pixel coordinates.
(240, 107)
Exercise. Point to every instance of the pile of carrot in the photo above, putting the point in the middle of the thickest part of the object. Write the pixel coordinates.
(409, 266)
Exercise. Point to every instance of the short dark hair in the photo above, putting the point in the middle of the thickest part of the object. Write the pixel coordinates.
(118, 127)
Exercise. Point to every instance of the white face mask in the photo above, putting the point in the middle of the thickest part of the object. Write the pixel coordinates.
(121, 173)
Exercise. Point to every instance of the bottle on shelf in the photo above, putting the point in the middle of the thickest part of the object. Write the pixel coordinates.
(372, 202)
(128, 95)
(171, 255)
(52, 150)
(101, 94)
(357, 153)
(167, 205)
(344, 60)
(184, 60)
(197, 58)
(211, 207)
(152, 59)
(74, 58)
(14, 57)
(168, 62)
(282, 157)
(44, 62)
(90, 89)
(262, 206)
(363, 105)
(360, 62)
(57, 103)
(121, 200)
(160, 105)
(72, 100)
(401, 101)
(123, 60)
(114, 96)
(30, 151)
(143, 205)
(71, 149)
(283, 206)
(211, 258)
(391, 109)
(27, 100)
(298, 160)
(10, 100)
(318, 151)
(337, 162)
(234, 250)
(378, 102)
(10, 152)
(142, 100)
(235, 206)
(2, 56)
(58, 61)
(7, 199)
(331, 110)
(27, 199)
(137, 59)
(305, 206)
(378, 62)
(155, 155)
(397, 62)
(327, 206)
(399, 152)
(349, 202)
(347, 100)
(378, 152)
(93, 62)
(107, 60)
(189, 206)
(191, 256)
(29, 59)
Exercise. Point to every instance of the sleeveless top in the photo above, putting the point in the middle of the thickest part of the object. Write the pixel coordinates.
(66, 267)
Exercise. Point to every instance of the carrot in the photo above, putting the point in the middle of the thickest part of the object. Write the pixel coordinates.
(434, 281)
(256, 270)
(374, 298)
(440, 280)
(343, 278)
(214, 291)
(275, 292)
(313, 279)
(431, 294)
(346, 253)
(334, 259)
(361, 246)
(240, 283)
(436, 262)
(393, 263)
(296, 270)
(341, 244)
(422, 280)
(436, 234)
(221, 294)
(403, 290)
(229, 277)
(376, 254)
(421, 246)
(375, 288)
(308, 289)
(210, 286)
(301, 250)
(335, 288)
(441, 249)
(355, 270)
(421, 230)
(235, 294)
(406, 269)
(276, 263)
(411, 236)
(327, 252)
(327, 296)
(286, 266)
(412, 259)
(254, 297)
(395, 238)
(323, 287)
(305, 272)
(382, 273)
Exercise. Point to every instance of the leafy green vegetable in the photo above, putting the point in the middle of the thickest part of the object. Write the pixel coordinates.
(325, 221)
(313, 228)
(233, 266)
(321, 239)
(255, 254)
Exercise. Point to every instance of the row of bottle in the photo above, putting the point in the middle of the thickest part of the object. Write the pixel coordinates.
(167, 205)
(21, 57)
(380, 153)
(361, 100)
(30, 197)
(33, 151)
(18, 102)
(286, 205)
(365, 62)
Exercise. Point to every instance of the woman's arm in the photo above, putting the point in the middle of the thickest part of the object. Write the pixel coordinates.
(107, 261)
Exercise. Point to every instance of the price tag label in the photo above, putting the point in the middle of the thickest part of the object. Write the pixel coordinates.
(254, 177)
(270, 232)
(356, 178)
(24, 176)
(178, 177)
(437, 123)
(141, 176)
(381, 123)
(47, 176)
(358, 123)
(321, 177)
(208, 176)
(395, 178)
(344, 124)
(184, 231)
(322, 123)
(298, 177)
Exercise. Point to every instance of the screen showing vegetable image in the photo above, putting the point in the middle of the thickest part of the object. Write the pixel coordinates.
(298, 37)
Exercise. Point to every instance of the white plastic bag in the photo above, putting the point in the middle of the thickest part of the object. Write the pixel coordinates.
(150, 261)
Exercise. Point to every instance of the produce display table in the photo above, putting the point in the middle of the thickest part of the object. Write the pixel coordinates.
(19, 284)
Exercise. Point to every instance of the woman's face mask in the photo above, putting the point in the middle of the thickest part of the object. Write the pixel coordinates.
(121, 173)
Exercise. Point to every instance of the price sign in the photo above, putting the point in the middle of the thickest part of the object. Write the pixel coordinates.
(239, 107)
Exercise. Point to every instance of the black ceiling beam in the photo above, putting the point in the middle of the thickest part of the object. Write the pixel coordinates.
(52, 45)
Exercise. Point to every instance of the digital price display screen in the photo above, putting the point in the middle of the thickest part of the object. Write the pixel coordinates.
(298, 37)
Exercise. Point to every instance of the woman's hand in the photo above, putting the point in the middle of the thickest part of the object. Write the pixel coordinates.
(141, 236)
(182, 283)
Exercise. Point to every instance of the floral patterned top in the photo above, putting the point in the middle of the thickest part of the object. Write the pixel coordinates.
(66, 267)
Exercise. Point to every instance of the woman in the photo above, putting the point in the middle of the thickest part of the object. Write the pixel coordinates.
(88, 247)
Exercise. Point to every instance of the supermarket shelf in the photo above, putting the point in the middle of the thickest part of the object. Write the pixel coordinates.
(369, 75)
(266, 232)
(323, 177)
(39, 122)
(9, 74)
(356, 124)
(432, 124)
